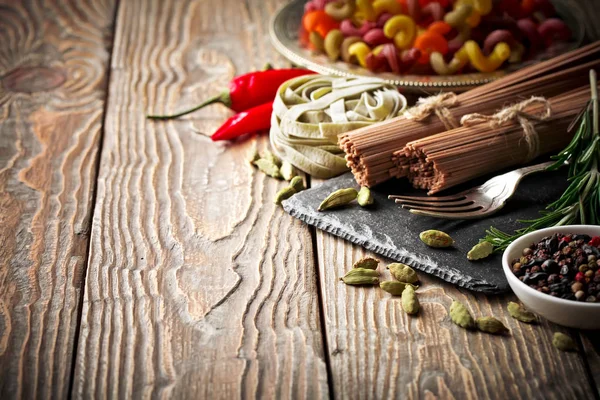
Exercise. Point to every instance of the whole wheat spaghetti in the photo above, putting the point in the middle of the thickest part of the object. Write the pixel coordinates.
(369, 151)
(488, 143)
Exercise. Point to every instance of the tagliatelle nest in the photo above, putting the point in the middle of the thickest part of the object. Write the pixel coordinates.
(310, 112)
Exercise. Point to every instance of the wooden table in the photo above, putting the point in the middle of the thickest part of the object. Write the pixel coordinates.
(139, 259)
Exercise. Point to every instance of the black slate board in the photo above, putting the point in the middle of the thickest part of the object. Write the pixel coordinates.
(393, 232)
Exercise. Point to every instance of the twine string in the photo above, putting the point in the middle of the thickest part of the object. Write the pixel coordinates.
(516, 113)
(439, 105)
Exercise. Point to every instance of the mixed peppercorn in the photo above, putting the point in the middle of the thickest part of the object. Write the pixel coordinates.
(565, 266)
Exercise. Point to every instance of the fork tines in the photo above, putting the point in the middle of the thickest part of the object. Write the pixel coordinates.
(437, 205)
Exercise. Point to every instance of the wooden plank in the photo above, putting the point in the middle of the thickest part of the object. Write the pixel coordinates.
(377, 351)
(591, 352)
(53, 73)
(197, 286)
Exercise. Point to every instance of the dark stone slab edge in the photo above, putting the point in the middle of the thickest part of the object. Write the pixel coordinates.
(454, 277)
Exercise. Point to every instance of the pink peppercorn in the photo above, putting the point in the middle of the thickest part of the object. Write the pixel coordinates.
(595, 241)
(580, 277)
(566, 239)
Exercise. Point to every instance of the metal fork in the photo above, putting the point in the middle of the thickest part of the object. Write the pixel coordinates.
(477, 202)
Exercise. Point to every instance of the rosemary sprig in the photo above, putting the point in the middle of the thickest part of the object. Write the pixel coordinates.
(580, 202)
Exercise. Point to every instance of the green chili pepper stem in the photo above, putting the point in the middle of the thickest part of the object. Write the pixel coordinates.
(223, 98)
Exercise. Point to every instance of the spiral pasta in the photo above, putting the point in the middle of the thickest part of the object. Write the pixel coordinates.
(449, 36)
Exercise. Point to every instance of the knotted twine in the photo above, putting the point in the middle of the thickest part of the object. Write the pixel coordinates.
(310, 112)
(516, 113)
(435, 104)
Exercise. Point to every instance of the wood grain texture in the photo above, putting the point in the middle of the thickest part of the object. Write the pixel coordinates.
(197, 285)
(590, 342)
(53, 74)
(377, 351)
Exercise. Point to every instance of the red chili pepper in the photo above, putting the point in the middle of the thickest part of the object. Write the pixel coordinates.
(253, 120)
(247, 91)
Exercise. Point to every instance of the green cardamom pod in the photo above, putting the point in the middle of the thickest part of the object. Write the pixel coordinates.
(480, 250)
(364, 198)
(361, 276)
(395, 288)
(366, 262)
(297, 184)
(520, 313)
(563, 342)
(269, 155)
(360, 280)
(461, 316)
(268, 167)
(403, 273)
(490, 325)
(410, 303)
(284, 194)
(361, 272)
(433, 238)
(338, 198)
(287, 170)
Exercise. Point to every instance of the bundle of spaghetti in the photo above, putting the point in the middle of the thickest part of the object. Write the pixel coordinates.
(368, 151)
(494, 143)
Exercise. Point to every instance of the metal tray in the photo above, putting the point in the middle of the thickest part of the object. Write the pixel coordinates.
(285, 26)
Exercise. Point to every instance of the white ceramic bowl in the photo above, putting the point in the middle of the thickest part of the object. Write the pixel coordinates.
(569, 313)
